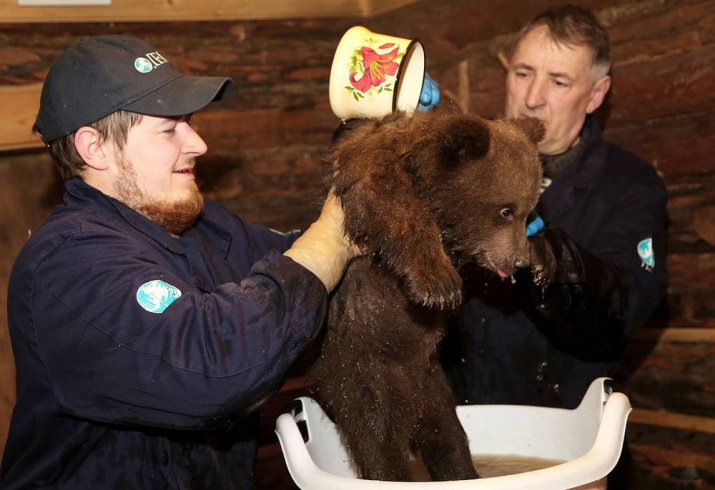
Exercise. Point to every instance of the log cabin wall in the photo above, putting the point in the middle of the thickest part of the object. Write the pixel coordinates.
(264, 163)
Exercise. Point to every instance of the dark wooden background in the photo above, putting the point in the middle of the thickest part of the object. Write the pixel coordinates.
(264, 163)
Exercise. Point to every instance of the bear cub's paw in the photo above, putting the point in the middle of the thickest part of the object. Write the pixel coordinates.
(434, 283)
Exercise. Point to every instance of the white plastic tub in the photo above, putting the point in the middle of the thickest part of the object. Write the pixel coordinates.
(589, 439)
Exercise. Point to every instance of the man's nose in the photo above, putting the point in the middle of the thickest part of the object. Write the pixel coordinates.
(193, 143)
(535, 94)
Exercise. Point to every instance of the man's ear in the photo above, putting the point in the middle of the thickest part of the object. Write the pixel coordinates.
(598, 93)
(90, 147)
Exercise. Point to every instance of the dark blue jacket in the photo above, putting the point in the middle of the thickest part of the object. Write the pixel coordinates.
(139, 356)
(517, 344)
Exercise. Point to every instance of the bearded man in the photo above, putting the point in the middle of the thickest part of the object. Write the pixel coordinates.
(149, 323)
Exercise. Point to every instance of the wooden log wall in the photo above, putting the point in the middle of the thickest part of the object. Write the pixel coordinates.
(264, 163)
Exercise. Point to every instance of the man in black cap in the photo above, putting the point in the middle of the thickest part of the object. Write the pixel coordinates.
(147, 323)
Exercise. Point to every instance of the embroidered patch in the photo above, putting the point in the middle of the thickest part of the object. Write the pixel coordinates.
(645, 251)
(143, 65)
(156, 296)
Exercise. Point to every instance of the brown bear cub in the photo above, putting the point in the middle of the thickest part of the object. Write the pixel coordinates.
(422, 195)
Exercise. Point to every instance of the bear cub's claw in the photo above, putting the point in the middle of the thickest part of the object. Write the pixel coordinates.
(441, 290)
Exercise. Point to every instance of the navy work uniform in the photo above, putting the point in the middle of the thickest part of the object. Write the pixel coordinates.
(139, 355)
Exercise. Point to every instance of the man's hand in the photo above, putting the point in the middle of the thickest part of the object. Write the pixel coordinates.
(323, 248)
(430, 94)
(534, 224)
(543, 261)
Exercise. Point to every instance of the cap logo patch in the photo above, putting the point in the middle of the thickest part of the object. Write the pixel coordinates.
(146, 63)
(645, 252)
(143, 65)
(156, 296)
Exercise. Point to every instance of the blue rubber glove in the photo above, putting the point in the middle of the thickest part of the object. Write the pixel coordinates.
(430, 94)
(534, 224)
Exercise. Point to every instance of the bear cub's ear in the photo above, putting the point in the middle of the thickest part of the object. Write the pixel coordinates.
(463, 139)
(533, 128)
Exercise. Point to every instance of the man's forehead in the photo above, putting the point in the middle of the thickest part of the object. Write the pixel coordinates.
(538, 49)
(148, 120)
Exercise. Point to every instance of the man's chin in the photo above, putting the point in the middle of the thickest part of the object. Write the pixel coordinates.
(175, 217)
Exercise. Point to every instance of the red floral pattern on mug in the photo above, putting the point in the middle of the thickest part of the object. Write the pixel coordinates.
(373, 66)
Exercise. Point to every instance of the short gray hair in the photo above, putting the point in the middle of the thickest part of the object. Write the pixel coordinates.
(572, 25)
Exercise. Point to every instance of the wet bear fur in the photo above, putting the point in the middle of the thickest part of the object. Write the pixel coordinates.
(422, 195)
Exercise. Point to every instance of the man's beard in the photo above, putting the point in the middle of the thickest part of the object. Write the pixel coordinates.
(174, 216)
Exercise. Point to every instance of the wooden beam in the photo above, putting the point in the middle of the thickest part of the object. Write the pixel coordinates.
(677, 334)
(377, 7)
(18, 110)
(190, 10)
(672, 420)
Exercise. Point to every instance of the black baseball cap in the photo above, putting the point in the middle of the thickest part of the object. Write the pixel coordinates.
(101, 75)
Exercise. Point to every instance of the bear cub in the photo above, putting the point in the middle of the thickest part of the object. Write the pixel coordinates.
(422, 194)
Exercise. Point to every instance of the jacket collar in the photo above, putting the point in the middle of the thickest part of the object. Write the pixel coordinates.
(81, 194)
(580, 176)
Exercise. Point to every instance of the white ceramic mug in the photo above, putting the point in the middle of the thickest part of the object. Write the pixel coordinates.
(374, 74)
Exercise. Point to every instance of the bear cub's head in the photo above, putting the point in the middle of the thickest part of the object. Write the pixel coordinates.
(428, 192)
(484, 181)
